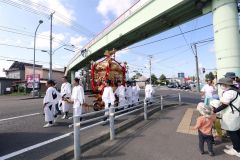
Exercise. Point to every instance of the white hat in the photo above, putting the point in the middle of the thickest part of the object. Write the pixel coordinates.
(204, 110)
(215, 103)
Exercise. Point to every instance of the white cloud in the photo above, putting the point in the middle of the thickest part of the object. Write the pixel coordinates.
(45, 43)
(121, 53)
(4, 65)
(78, 41)
(59, 8)
(6, 40)
(112, 7)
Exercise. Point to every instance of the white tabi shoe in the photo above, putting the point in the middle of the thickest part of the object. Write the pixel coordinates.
(232, 152)
(47, 125)
(229, 146)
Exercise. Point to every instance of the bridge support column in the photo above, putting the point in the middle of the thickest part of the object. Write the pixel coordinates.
(72, 76)
(226, 36)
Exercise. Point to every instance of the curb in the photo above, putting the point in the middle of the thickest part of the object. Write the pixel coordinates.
(31, 98)
(68, 153)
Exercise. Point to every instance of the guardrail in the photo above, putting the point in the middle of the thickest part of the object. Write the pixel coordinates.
(114, 113)
(110, 117)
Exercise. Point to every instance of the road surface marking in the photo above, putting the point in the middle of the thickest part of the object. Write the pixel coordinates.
(34, 146)
(185, 124)
(28, 115)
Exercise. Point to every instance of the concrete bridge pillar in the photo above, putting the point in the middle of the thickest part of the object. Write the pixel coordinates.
(226, 36)
(72, 76)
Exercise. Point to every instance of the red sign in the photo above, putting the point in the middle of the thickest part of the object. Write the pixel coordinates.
(29, 79)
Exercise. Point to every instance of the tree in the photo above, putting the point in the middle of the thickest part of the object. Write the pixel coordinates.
(162, 78)
(137, 75)
(210, 76)
(154, 79)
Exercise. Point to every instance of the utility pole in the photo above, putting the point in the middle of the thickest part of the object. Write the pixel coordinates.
(197, 70)
(150, 68)
(50, 53)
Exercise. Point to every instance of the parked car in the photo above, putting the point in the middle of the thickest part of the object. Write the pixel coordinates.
(171, 85)
(185, 86)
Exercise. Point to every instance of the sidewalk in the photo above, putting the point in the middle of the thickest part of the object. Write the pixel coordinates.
(158, 139)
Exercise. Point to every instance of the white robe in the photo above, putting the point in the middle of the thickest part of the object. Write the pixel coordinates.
(78, 99)
(135, 90)
(49, 100)
(148, 92)
(120, 92)
(56, 102)
(129, 95)
(108, 97)
(66, 90)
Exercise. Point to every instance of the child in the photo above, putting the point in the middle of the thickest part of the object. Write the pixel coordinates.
(204, 125)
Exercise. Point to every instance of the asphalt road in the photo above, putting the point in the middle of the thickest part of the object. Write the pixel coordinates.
(21, 124)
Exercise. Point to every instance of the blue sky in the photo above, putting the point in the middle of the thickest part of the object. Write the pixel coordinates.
(92, 17)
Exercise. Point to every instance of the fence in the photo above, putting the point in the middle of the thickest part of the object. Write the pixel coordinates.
(113, 113)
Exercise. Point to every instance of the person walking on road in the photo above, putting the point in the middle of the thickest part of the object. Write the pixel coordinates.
(66, 94)
(129, 94)
(204, 126)
(48, 103)
(120, 93)
(148, 92)
(56, 110)
(77, 98)
(230, 111)
(208, 91)
(135, 90)
(108, 96)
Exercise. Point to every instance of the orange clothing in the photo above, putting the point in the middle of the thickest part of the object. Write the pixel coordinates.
(205, 124)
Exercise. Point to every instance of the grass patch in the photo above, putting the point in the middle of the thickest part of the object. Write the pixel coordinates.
(18, 94)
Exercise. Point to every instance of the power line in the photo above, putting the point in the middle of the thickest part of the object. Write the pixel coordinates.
(169, 37)
(33, 7)
(17, 46)
(28, 34)
(24, 60)
(185, 39)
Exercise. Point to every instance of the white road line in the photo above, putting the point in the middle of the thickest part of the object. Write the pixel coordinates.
(28, 115)
(34, 146)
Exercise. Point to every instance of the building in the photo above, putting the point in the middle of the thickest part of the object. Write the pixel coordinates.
(141, 81)
(6, 85)
(17, 70)
(21, 71)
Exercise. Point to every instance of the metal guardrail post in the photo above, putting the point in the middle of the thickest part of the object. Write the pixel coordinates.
(111, 122)
(161, 102)
(145, 110)
(179, 99)
(77, 144)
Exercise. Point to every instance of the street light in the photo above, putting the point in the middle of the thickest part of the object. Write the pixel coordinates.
(34, 50)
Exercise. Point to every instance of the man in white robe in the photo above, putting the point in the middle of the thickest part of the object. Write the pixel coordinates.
(56, 109)
(108, 96)
(48, 103)
(135, 90)
(120, 93)
(129, 94)
(148, 92)
(66, 94)
(77, 98)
